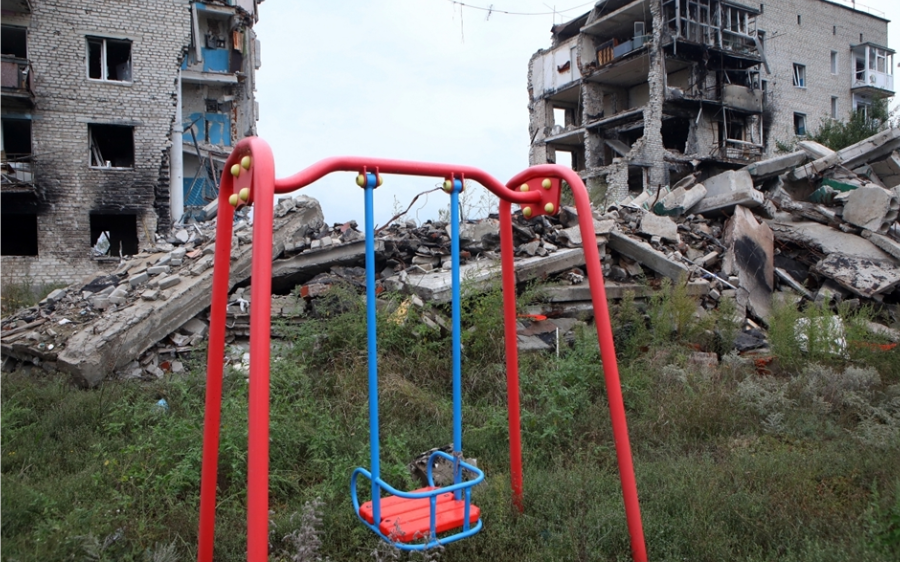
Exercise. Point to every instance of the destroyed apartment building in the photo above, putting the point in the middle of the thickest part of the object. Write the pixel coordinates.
(116, 117)
(637, 94)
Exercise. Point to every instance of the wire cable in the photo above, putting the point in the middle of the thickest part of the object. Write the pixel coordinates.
(492, 10)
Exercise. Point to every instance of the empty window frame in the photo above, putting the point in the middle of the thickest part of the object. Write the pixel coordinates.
(111, 146)
(16, 138)
(13, 42)
(109, 60)
(19, 226)
(834, 62)
(118, 230)
(799, 75)
(834, 107)
(800, 124)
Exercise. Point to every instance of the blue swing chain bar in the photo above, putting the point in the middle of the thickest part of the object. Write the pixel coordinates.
(369, 182)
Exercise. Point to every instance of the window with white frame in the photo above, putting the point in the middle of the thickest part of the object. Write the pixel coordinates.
(109, 60)
(799, 75)
(800, 124)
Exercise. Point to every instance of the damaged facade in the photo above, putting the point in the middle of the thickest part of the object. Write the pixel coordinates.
(115, 117)
(641, 93)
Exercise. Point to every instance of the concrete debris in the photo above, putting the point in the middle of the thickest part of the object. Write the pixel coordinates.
(747, 235)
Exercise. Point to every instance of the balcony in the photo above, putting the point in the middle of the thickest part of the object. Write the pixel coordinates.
(16, 173)
(555, 70)
(873, 71)
(15, 79)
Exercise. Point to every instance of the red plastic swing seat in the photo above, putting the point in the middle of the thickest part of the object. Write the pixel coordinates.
(406, 520)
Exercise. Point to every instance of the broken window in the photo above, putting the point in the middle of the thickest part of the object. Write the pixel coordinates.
(799, 75)
(799, 124)
(16, 138)
(834, 62)
(13, 42)
(834, 107)
(565, 158)
(559, 116)
(109, 59)
(112, 146)
(114, 234)
(18, 226)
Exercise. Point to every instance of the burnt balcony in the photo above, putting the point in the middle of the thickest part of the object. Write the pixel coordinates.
(15, 79)
(16, 173)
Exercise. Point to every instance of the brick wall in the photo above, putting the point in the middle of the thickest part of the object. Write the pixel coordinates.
(824, 27)
(67, 101)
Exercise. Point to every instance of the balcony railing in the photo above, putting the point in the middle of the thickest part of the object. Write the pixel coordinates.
(873, 79)
(15, 76)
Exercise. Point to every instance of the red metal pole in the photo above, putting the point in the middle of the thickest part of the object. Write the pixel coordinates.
(263, 196)
(610, 369)
(508, 271)
(214, 365)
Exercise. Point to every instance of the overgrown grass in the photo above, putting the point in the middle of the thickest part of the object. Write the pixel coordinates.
(15, 295)
(732, 463)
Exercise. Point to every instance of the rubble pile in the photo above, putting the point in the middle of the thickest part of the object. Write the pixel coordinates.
(813, 224)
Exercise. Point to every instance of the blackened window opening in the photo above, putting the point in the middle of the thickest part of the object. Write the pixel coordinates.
(13, 42)
(16, 137)
(112, 146)
(120, 230)
(19, 234)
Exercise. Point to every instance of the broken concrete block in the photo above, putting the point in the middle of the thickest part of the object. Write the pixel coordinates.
(194, 327)
(663, 227)
(887, 244)
(100, 303)
(118, 301)
(872, 208)
(777, 165)
(169, 281)
(150, 295)
(55, 296)
(750, 255)
(724, 191)
(644, 254)
(680, 200)
(814, 149)
(866, 150)
(864, 276)
(138, 279)
(157, 269)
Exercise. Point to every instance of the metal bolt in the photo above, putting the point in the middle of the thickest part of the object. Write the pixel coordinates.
(244, 194)
(236, 170)
(548, 208)
(523, 187)
(233, 200)
(361, 180)
(547, 184)
(245, 162)
(448, 186)
(527, 212)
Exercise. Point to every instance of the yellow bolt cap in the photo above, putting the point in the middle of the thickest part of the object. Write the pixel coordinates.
(233, 199)
(361, 180)
(547, 184)
(549, 207)
(244, 194)
(245, 162)
(380, 179)
(448, 186)
(523, 187)
(236, 170)
(527, 212)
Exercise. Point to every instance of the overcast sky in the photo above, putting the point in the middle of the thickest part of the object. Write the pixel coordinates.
(426, 80)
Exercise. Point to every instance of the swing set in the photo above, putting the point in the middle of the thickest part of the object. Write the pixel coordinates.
(432, 515)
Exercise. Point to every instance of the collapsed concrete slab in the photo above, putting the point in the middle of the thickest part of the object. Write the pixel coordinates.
(822, 238)
(873, 208)
(750, 256)
(289, 272)
(866, 277)
(872, 148)
(114, 340)
(777, 165)
(643, 253)
(889, 245)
